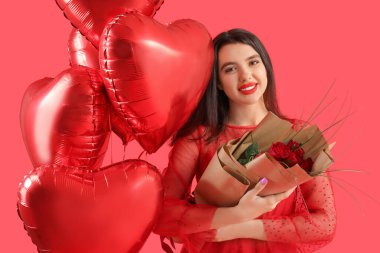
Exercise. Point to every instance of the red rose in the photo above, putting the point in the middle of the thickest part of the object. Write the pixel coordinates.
(279, 151)
(299, 152)
(299, 159)
(291, 160)
(296, 149)
(293, 145)
(307, 164)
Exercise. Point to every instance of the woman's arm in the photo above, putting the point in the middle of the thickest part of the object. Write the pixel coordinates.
(313, 223)
(252, 229)
(179, 217)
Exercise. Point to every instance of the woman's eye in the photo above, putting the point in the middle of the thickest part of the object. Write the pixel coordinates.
(253, 62)
(229, 69)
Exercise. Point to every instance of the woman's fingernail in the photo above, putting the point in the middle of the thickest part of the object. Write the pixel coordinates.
(264, 180)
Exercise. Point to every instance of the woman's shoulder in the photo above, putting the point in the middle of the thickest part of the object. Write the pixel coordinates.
(198, 134)
(195, 135)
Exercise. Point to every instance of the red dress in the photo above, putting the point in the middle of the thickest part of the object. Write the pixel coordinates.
(304, 222)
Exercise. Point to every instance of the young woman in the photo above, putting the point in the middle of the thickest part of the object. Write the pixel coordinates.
(239, 95)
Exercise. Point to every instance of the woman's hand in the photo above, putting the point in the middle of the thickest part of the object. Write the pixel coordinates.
(252, 206)
(249, 207)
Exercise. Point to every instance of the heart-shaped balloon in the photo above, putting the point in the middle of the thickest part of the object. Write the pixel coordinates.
(155, 74)
(65, 120)
(114, 209)
(83, 53)
(121, 128)
(91, 16)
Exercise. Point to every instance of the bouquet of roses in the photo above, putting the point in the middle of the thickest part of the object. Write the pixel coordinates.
(276, 149)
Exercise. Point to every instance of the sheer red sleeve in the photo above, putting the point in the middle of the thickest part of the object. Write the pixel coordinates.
(312, 225)
(179, 217)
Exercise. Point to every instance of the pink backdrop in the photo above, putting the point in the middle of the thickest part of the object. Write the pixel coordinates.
(311, 45)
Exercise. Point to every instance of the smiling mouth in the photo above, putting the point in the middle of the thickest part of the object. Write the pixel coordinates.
(248, 88)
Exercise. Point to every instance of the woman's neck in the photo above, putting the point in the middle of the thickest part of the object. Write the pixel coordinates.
(247, 115)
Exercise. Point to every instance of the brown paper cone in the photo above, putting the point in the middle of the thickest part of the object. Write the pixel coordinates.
(270, 129)
(225, 180)
(322, 162)
(218, 187)
(280, 179)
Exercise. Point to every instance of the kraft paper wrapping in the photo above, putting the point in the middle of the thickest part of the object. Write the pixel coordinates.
(225, 180)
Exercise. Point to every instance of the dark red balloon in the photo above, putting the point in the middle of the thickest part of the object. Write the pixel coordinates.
(155, 74)
(65, 120)
(121, 128)
(113, 209)
(81, 51)
(91, 16)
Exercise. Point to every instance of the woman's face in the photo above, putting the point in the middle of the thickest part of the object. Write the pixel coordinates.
(242, 74)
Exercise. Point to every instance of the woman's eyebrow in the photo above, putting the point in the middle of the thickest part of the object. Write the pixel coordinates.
(226, 64)
(249, 58)
(253, 57)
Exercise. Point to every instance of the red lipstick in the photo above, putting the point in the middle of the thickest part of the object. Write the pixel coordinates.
(248, 88)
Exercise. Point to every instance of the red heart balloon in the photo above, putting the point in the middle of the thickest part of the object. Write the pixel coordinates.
(155, 74)
(91, 16)
(65, 120)
(114, 209)
(83, 53)
(121, 128)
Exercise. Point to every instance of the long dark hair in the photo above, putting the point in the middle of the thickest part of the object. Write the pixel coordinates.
(212, 110)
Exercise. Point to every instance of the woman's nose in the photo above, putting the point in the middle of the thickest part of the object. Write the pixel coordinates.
(245, 75)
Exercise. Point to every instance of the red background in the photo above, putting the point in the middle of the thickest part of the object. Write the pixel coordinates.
(311, 45)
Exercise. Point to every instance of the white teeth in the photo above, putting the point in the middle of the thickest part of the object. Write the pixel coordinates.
(249, 88)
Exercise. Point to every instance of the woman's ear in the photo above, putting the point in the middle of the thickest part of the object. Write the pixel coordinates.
(219, 86)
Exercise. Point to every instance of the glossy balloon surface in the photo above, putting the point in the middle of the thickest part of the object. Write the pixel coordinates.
(65, 120)
(81, 51)
(155, 74)
(113, 209)
(91, 16)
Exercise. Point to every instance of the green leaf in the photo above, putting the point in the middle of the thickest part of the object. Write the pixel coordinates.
(242, 161)
(252, 151)
(249, 154)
